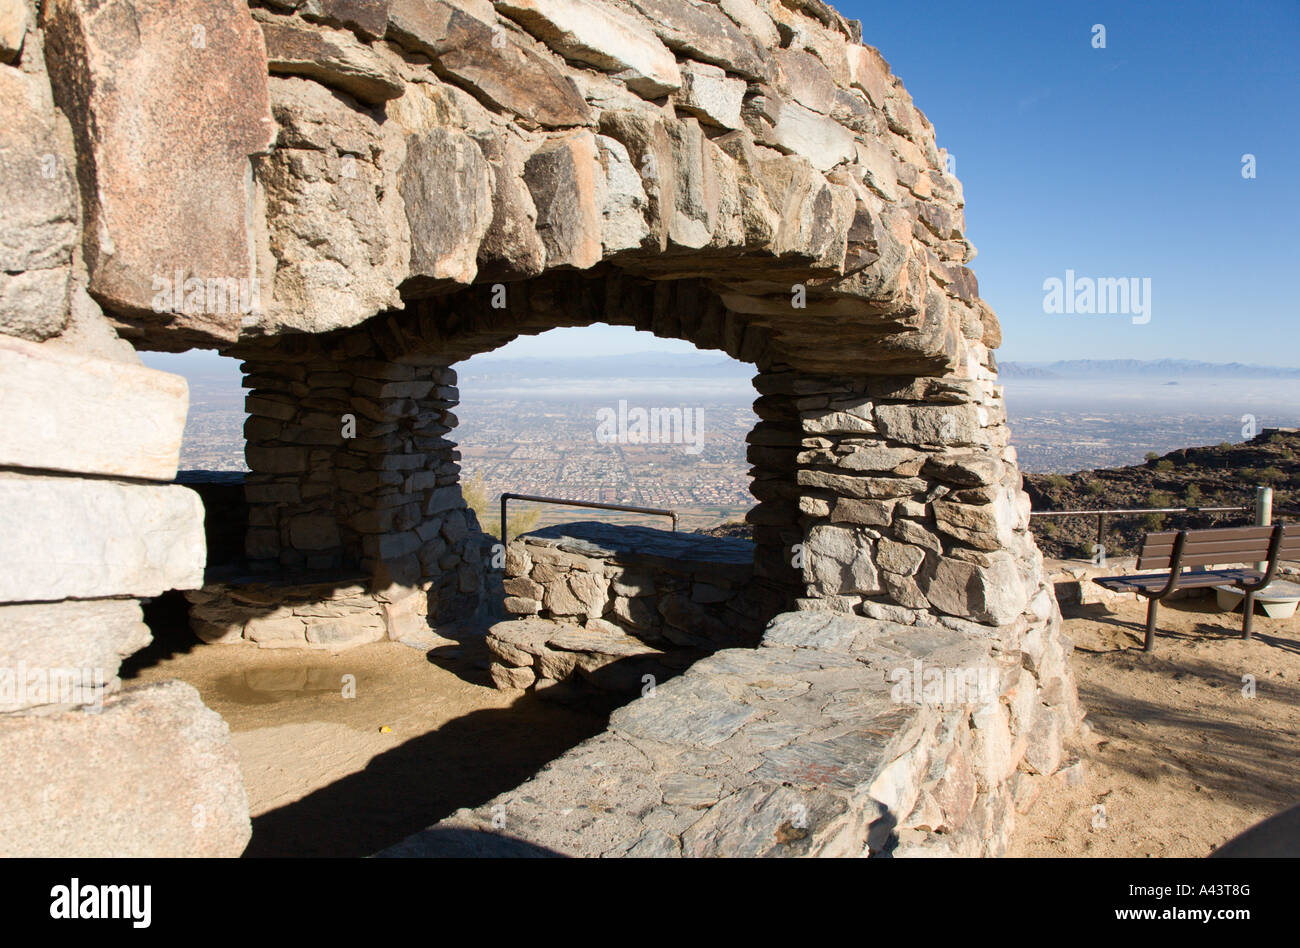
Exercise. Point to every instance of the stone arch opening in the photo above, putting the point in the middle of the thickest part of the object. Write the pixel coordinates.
(354, 472)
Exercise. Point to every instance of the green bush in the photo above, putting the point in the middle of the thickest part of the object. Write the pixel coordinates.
(1165, 465)
(1058, 481)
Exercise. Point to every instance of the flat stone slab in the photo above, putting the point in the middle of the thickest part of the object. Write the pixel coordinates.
(803, 746)
(71, 412)
(607, 541)
(67, 538)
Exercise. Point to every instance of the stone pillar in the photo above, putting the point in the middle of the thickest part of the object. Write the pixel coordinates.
(912, 512)
(352, 475)
(773, 449)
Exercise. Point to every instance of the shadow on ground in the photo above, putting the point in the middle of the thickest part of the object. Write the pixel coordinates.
(403, 791)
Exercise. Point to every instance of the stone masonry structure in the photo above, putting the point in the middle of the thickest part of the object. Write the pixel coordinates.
(352, 196)
(612, 604)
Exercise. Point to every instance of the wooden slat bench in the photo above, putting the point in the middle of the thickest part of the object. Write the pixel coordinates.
(1176, 551)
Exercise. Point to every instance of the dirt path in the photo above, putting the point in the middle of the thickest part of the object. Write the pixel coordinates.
(1180, 757)
(323, 776)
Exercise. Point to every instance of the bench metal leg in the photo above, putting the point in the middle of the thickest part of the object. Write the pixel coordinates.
(1247, 614)
(1153, 609)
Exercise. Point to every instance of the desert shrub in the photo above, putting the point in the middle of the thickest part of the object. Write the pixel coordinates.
(1058, 481)
(1165, 465)
(1270, 474)
(485, 508)
(1154, 521)
(1095, 487)
(1151, 456)
(1192, 496)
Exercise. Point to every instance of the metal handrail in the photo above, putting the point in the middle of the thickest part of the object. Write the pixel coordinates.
(1101, 515)
(656, 511)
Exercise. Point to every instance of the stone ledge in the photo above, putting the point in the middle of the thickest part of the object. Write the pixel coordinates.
(681, 551)
(66, 411)
(774, 751)
(72, 538)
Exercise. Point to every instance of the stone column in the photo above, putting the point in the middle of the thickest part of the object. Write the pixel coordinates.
(351, 472)
(774, 446)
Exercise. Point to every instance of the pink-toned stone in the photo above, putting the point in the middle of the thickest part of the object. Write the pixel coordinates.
(168, 102)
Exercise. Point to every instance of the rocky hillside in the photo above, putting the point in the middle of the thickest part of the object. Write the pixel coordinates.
(1217, 476)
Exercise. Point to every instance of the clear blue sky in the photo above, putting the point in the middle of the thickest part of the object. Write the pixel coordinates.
(1115, 162)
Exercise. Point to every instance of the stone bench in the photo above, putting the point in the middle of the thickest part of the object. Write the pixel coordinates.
(839, 736)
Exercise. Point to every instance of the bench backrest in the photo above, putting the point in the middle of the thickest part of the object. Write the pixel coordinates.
(1218, 545)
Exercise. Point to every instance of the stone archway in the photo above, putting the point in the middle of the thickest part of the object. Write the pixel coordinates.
(347, 202)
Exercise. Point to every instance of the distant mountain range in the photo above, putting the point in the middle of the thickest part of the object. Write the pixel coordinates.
(708, 365)
(1135, 368)
(205, 368)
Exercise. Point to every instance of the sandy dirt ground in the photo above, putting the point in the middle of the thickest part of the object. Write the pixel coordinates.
(1183, 754)
(329, 774)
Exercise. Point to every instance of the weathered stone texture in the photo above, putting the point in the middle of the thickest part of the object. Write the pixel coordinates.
(71, 413)
(38, 209)
(15, 20)
(62, 538)
(154, 775)
(168, 103)
(491, 64)
(446, 187)
(80, 642)
(598, 35)
(819, 743)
